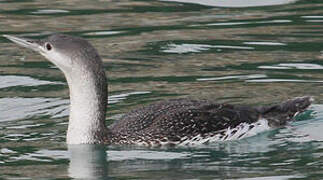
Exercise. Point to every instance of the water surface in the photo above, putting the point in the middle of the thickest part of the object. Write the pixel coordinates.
(260, 52)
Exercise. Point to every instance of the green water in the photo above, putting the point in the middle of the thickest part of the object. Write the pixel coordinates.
(154, 50)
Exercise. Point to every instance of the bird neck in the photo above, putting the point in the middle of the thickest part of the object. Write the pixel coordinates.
(88, 101)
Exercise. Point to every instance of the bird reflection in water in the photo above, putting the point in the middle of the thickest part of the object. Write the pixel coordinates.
(88, 161)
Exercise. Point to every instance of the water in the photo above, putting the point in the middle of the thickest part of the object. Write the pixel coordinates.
(250, 52)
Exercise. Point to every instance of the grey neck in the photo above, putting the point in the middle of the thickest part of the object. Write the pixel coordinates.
(88, 98)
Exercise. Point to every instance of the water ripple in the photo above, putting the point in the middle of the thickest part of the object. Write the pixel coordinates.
(256, 78)
(103, 33)
(117, 98)
(314, 21)
(304, 66)
(148, 155)
(50, 11)
(21, 108)
(241, 77)
(282, 80)
(265, 43)
(312, 17)
(277, 21)
(42, 156)
(235, 3)
(195, 48)
(11, 81)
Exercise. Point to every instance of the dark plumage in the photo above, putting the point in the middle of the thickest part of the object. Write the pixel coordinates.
(173, 121)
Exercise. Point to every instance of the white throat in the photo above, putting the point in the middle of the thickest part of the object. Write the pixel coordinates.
(87, 108)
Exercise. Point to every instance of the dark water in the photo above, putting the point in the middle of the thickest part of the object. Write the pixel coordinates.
(153, 50)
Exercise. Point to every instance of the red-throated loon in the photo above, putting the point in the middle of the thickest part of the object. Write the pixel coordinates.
(170, 122)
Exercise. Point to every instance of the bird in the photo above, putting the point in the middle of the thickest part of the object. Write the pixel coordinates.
(172, 122)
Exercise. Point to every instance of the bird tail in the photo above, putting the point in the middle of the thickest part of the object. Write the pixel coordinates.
(278, 115)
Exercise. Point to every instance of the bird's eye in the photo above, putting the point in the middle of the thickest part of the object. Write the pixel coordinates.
(48, 46)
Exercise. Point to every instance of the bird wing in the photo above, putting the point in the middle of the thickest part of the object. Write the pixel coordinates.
(181, 117)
